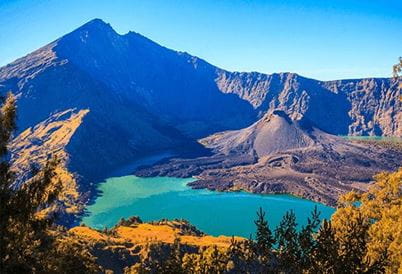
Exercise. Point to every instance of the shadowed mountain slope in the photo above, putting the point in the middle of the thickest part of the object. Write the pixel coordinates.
(143, 98)
(191, 94)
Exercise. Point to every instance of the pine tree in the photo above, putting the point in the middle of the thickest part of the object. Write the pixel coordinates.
(306, 239)
(288, 246)
(324, 256)
(264, 237)
(264, 240)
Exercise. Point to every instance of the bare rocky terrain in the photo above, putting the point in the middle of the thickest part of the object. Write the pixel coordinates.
(280, 155)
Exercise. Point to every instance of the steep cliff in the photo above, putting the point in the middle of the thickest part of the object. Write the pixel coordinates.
(344, 107)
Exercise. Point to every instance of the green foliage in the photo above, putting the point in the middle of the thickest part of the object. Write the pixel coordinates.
(324, 256)
(288, 245)
(264, 238)
(306, 239)
(264, 241)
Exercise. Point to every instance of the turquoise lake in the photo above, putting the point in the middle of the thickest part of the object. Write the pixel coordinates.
(215, 213)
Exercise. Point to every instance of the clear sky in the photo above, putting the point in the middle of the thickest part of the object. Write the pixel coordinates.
(322, 39)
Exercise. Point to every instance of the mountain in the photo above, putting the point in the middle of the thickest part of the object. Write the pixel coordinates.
(345, 107)
(273, 133)
(140, 98)
(95, 61)
(280, 155)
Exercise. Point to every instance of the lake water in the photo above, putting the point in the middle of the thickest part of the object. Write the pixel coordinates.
(215, 213)
(373, 138)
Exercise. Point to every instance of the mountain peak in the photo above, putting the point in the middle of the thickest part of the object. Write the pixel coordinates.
(95, 27)
(88, 42)
(282, 114)
(96, 23)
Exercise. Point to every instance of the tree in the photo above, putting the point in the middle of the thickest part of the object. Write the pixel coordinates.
(324, 257)
(288, 245)
(174, 261)
(376, 222)
(306, 239)
(353, 238)
(264, 237)
(397, 68)
(216, 260)
(206, 260)
(190, 263)
(28, 238)
(242, 257)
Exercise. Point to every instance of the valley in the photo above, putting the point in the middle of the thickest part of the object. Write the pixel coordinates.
(103, 114)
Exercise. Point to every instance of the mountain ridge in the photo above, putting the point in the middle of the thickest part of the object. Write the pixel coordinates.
(262, 92)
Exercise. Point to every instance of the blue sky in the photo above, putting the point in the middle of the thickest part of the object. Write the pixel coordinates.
(322, 39)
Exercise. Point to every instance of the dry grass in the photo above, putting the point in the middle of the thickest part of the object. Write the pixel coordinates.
(88, 233)
(50, 137)
(143, 234)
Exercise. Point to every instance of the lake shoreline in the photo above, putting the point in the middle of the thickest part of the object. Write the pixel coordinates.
(215, 213)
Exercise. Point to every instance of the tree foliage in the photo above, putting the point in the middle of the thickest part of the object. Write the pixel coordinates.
(397, 68)
(264, 238)
(363, 236)
(29, 240)
(376, 217)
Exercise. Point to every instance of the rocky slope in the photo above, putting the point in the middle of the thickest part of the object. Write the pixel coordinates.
(281, 155)
(344, 107)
